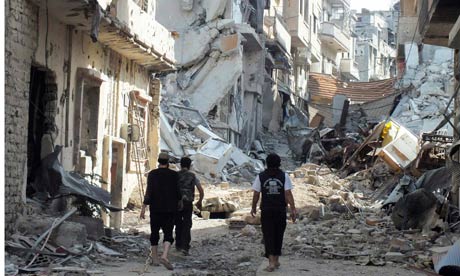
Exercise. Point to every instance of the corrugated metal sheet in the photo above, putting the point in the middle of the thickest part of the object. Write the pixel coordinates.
(323, 88)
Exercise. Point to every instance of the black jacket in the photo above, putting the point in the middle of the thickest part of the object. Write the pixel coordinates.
(162, 190)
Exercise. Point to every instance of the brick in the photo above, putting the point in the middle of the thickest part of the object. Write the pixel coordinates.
(21, 38)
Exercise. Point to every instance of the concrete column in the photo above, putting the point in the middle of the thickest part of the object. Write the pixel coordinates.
(105, 172)
(153, 137)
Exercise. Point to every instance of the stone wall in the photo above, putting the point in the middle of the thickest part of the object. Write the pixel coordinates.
(20, 43)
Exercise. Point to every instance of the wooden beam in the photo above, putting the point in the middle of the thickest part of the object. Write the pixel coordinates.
(454, 35)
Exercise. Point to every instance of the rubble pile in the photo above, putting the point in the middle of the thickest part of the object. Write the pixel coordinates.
(430, 86)
(70, 244)
(213, 158)
(343, 219)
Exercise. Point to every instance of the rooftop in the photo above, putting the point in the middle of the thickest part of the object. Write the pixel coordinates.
(323, 88)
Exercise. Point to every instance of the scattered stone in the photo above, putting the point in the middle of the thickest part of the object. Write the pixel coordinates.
(394, 257)
(249, 231)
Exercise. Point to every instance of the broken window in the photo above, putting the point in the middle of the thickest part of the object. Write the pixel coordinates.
(337, 12)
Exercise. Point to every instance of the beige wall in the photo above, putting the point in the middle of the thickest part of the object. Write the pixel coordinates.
(118, 77)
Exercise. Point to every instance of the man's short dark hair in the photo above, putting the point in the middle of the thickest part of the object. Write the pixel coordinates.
(163, 161)
(273, 161)
(185, 162)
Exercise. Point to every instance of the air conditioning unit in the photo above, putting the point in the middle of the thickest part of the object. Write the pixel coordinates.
(130, 133)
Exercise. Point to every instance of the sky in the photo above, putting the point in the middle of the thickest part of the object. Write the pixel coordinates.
(371, 4)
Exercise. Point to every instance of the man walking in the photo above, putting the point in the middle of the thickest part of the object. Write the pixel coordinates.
(275, 186)
(187, 183)
(162, 196)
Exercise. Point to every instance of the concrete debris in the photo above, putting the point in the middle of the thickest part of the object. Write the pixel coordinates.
(415, 210)
(249, 231)
(204, 133)
(195, 44)
(429, 87)
(168, 135)
(107, 251)
(219, 205)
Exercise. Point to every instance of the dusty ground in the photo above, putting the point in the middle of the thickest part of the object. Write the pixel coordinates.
(217, 250)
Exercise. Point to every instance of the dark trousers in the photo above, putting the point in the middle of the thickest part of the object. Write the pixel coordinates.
(163, 221)
(450, 270)
(184, 225)
(273, 226)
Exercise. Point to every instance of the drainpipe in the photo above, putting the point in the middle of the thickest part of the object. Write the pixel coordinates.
(67, 89)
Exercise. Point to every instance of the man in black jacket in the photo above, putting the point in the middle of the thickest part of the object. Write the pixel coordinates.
(162, 197)
(275, 187)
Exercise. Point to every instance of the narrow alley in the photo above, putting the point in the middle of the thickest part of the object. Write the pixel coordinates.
(107, 100)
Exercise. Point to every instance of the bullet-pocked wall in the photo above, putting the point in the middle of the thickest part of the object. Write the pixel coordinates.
(20, 43)
(93, 98)
(79, 90)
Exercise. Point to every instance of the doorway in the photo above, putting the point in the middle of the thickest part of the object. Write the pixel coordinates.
(86, 124)
(42, 129)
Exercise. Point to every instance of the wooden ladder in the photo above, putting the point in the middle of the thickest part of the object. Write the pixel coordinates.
(139, 148)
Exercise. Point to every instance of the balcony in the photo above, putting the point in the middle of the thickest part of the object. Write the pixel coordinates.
(126, 29)
(333, 37)
(251, 39)
(296, 25)
(349, 69)
(298, 31)
(277, 33)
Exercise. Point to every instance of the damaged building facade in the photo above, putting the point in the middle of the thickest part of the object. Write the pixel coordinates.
(220, 60)
(427, 30)
(89, 75)
(79, 75)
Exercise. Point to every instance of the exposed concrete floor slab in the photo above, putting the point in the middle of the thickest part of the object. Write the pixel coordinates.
(315, 267)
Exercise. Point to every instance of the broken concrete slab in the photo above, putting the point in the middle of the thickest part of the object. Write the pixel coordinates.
(94, 226)
(212, 156)
(432, 89)
(67, 234)
(239, 158)
(395, 257)
(442, 55)
(168, 135)
(204, 133)
(222, 76)
(193, 45)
